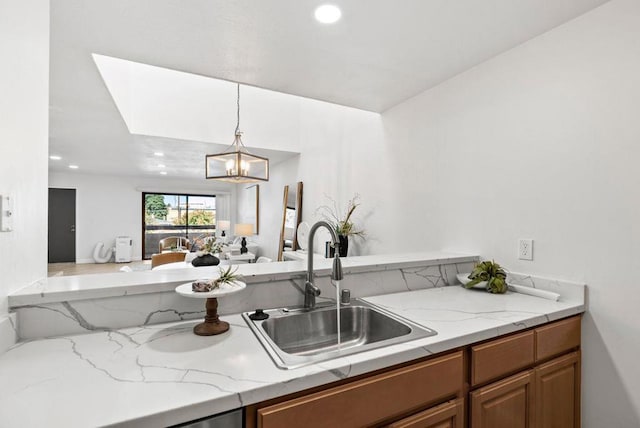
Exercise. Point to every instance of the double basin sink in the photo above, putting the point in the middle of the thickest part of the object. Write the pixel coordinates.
(297, 337)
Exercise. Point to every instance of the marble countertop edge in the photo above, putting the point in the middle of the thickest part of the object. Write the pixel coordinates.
(81, 287)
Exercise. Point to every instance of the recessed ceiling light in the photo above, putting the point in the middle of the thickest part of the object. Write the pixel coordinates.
(54, 157)
(163, 172)
(160, 154)
(73, 166)
(327, 13)
(160, 165)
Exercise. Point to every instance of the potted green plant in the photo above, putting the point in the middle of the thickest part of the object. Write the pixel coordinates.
(342, 222)
(491, 273)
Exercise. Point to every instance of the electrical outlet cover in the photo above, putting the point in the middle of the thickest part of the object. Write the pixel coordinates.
(525, 249)
(6, 214)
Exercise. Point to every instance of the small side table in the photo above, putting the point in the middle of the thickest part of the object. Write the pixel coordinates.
(242, 258)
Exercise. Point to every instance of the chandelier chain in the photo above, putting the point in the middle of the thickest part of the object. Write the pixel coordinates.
(238, 111)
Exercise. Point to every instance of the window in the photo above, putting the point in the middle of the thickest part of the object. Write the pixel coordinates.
(175, 215)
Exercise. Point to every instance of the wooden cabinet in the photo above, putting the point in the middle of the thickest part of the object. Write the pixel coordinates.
(504, 404)
(545, 395)
(529, 379)
(557, 389)
(447, 415)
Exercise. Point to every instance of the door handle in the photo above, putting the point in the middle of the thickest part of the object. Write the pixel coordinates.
(73, 228)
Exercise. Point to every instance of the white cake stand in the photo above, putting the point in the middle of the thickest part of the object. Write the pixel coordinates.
(212, 325)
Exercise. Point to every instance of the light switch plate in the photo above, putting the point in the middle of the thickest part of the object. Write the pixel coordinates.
(6, 213)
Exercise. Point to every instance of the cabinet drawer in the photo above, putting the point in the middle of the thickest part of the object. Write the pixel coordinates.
(447, 415)
(371, 400)
(557, 338)
(501, 357)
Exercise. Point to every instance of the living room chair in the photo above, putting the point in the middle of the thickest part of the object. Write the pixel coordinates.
(173, 242)
(164, 258)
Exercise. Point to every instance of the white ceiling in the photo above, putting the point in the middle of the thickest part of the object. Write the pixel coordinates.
(381, 53)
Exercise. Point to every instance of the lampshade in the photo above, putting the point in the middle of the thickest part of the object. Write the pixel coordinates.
(236, 164)
(243, 229)
(224, 224)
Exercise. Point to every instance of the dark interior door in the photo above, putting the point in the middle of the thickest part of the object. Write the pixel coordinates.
(62, 225)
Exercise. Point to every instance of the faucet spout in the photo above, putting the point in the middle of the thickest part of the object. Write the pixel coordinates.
(310, 290)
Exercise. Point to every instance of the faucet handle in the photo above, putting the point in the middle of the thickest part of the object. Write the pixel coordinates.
(309, 288)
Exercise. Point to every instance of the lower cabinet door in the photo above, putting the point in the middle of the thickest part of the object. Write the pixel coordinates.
(447, 415)
(558, 392)
(504, 404)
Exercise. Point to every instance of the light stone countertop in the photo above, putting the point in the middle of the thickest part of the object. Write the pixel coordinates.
(81, 287)
(163, 374)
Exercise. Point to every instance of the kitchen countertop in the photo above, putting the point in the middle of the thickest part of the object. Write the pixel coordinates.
(163, 374)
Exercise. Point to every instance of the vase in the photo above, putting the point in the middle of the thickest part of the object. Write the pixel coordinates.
(344, 246)
(205, 260)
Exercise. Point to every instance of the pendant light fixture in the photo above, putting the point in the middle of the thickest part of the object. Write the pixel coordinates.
(236, 164)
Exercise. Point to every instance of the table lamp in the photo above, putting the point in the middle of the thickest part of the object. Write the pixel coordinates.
(244, 230)
(224, 225)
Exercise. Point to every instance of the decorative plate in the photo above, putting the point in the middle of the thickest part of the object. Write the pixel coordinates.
(303, 235)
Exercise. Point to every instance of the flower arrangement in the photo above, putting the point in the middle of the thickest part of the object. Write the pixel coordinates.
(209, 245)
(342, 221)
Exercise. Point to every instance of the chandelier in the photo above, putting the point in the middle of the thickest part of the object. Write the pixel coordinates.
(236, 164)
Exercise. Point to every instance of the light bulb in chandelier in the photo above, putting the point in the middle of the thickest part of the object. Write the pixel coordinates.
(245, 168)
(231, 166)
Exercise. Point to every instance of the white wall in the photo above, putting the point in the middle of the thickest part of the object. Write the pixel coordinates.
(24, 85)
(543, 142)
(342, 153)
(110, 206)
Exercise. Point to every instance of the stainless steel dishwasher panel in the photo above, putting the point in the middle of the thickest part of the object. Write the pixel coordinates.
(232, 419)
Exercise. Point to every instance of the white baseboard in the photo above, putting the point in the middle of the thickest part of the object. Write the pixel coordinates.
(85, 261)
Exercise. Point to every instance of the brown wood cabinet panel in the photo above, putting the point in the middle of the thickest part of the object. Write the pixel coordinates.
(371, 400)
(446, 415)
(557, 392)
(501, 357)
(504, 404)
(557, 338)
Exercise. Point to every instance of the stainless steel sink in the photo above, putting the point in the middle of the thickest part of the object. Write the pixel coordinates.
(296, 337)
